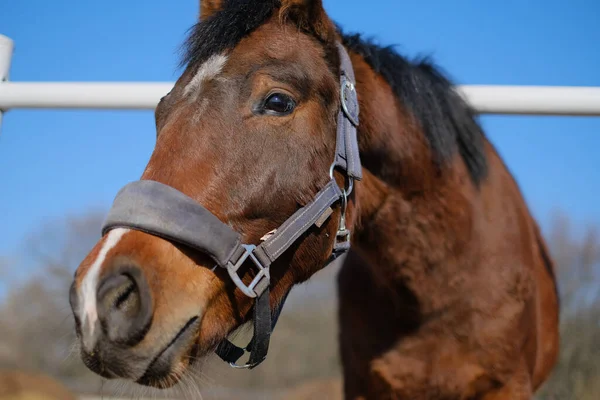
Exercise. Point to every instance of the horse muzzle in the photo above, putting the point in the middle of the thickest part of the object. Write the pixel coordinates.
(120, 320)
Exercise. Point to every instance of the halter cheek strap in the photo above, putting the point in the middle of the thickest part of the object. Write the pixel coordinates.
(163, 211)
(347, 156)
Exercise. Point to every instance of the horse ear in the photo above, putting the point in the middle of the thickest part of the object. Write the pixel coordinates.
(309, 15)
(209, 7)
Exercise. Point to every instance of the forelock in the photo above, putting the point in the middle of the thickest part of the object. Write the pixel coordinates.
(225, 29)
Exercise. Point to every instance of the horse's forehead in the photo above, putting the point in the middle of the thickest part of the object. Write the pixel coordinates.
(272, 41)
(276, 41)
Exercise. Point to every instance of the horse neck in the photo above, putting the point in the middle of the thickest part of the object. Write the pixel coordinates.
(409, 214)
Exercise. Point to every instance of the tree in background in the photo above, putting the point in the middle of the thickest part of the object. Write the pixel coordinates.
(36, 327)
(577, 258)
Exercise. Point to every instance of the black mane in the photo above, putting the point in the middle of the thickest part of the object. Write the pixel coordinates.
(448, 122)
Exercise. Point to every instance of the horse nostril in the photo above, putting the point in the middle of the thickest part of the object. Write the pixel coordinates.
(74, 302)
(120, 293)
(125, 306)
(129, 299)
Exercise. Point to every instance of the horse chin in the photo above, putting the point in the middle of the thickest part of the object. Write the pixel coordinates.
(163, 382)
(170, 365)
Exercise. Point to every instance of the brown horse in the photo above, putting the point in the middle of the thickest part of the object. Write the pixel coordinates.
(448, 292)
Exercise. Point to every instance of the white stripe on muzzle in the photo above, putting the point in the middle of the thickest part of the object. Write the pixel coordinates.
(89, 287)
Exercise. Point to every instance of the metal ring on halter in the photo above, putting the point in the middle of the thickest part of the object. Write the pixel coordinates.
(349, 180)
(347, 85)
(245, 366)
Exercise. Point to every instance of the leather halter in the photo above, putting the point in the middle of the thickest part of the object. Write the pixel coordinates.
(163, 211)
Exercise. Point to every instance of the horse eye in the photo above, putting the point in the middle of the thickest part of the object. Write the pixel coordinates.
(279, 104)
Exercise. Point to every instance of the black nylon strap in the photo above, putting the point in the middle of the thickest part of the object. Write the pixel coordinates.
(262, 329)
(230, 353)
(259, 345)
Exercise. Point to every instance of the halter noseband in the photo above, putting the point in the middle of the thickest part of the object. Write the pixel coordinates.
(163, 211)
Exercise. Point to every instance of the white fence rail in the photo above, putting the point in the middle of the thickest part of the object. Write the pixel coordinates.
(96, 95)
(485, 99)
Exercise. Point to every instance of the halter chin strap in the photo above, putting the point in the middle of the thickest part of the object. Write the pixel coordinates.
(163, 211)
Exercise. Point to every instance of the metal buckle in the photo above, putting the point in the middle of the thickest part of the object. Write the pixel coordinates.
(348, 89)
(263, 272)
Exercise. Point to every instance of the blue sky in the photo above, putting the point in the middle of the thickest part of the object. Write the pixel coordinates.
(54, 163)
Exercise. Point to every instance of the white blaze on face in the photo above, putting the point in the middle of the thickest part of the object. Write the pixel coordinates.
(89, 285)
(207, 71)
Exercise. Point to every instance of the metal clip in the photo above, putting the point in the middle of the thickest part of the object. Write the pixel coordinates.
(263, 273)
(342, 237)
(246, 366)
